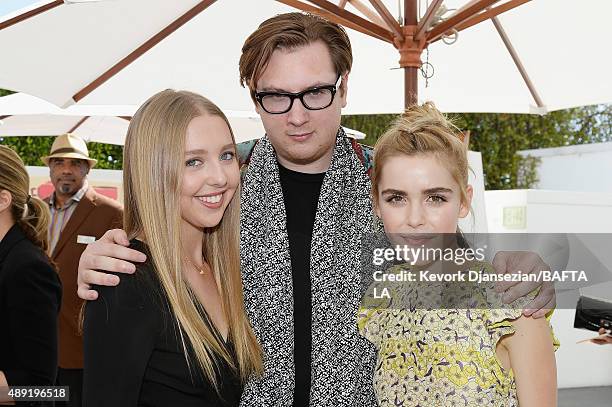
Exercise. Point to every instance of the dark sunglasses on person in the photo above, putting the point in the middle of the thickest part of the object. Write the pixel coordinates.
(316, 98)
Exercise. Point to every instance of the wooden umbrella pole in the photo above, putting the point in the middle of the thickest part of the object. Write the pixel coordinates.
(146, 46)
(410, 37)
(30, 14)
(78, 124)
(411, 85)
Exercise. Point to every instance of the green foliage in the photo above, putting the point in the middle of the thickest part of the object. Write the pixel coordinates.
(526, 173)
(32, 148)
(499, 136)
(373, 125)
(109, 156)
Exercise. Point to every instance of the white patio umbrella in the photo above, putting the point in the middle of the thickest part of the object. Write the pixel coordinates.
(120, 52)
(25, 115)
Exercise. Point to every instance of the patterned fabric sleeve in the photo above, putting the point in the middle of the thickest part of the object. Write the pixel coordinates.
(365, 154)
(499, 316)
(374, 312)
(368, 153)
(244, 150)
(500, 324)
(370, 322)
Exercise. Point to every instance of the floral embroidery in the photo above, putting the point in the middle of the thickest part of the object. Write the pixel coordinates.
(442, 356)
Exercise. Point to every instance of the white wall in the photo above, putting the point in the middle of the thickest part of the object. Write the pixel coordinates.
(586, 167)
(537, 211)
(544, 211)
(476, 222)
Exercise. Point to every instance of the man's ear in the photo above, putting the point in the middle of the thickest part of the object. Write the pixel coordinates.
(255, 104)
(6, 200)
(465, 206)
(344, 89)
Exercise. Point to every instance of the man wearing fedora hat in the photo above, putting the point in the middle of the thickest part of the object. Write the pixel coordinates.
(78, 216)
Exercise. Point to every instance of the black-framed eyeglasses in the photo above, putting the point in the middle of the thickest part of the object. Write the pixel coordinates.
(316, 98)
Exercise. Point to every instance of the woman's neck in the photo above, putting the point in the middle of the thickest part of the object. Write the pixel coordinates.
(6, 223)
(191, 243)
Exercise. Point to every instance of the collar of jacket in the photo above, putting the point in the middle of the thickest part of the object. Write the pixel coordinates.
(12, 237)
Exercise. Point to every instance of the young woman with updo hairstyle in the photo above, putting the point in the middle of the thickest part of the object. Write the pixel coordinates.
(439, 343)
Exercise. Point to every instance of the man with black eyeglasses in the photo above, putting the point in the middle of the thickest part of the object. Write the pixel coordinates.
(305, 207)
(316, 98)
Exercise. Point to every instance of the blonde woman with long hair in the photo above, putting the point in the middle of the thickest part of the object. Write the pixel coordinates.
(175, 332)
(30, 290)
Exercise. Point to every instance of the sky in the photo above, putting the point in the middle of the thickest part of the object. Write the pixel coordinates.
(8, 6)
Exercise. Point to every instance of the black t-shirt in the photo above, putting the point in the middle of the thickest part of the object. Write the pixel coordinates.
(301, 194)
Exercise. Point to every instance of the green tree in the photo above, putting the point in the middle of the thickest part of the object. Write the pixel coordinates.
(499, 136)
(30, 149)
(373, 125)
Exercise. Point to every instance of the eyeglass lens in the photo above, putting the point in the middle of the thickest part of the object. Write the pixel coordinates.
(312, 99)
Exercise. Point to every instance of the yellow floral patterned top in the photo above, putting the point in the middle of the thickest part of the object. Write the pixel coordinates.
(442, 356)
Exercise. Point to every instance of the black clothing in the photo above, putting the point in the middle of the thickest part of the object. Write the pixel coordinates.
(30, 298)
(301, 195)
(134, 353)
(73, 378)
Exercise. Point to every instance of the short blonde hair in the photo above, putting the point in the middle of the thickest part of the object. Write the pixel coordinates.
(423, 130)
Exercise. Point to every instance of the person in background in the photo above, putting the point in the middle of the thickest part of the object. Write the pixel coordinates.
(30, 289)
(79, 216)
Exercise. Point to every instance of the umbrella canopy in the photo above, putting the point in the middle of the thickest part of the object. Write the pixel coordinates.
(25, 115)
(121, 52)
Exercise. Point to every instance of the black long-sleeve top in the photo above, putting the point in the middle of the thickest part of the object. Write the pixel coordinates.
(133, 351)
(30, 298)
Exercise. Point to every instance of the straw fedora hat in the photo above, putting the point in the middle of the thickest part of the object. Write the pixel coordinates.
(69, 146)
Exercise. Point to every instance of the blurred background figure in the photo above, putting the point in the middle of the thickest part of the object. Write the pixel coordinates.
(79, 216)
(30, 290)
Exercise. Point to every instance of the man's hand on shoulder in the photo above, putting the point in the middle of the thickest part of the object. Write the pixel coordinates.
(510, 262)
(109, 253)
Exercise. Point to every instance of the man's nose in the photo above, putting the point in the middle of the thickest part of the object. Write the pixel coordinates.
(298, 115)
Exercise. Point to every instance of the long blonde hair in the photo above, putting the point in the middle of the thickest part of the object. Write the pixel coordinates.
(31, 213)
(153, 157)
